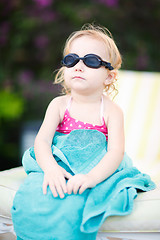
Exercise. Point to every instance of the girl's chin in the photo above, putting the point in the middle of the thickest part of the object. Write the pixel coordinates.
(78, 84)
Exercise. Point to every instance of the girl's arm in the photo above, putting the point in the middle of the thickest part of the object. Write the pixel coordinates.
(112, 159)
(54, 175)
(116, 144)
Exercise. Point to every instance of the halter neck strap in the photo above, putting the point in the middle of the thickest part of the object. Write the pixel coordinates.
(101, 108)
(69, 103)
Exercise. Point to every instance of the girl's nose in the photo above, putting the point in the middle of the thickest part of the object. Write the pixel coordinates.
(79, 67)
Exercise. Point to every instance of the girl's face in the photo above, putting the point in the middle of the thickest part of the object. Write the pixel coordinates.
(83, 79)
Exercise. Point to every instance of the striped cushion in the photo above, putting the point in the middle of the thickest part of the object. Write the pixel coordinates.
(139, 97)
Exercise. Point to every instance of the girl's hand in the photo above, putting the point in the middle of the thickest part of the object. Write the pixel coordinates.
(55, 178)
(80, 182)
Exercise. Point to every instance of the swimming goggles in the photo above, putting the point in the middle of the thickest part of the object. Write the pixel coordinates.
(90, 60)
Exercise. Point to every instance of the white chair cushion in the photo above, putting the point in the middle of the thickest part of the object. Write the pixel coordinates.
(145, 216)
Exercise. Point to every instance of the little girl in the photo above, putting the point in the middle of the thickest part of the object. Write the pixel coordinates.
(82, 175)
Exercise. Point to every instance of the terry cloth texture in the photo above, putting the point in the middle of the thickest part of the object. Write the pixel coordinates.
(76, 217)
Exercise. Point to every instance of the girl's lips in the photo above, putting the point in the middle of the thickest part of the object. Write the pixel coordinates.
(78, 77)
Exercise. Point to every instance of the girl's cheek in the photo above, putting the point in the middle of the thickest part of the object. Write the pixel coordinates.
(67, 72)
(67, 78)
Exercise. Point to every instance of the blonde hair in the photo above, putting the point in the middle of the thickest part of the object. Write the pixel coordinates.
(100, 33)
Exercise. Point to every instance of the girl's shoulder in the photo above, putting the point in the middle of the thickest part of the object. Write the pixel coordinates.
(59, 103)
(112, 109)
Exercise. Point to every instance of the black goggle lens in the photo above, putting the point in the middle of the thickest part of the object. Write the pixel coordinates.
(70, 60)
(90, 60)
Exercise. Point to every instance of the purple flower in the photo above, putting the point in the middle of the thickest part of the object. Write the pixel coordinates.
(25, 77)
(7, 7)
(44, 3)
(41, 41)
(48, 16)
(3, 40)
(110, 3)
(44, 15)
(4, 31)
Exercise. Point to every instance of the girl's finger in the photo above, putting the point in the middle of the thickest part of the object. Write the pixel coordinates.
(76, 188)
(53, 190)
(44, 186)
(60, 191)
(69, 187)
(63, 185)
(83, 188)
(67, 174)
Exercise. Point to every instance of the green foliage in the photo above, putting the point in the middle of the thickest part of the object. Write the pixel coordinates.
(11, 105)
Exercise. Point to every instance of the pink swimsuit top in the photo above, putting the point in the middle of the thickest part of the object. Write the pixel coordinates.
(68, 123)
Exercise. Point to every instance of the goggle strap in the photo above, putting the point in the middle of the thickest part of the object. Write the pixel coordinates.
(107, 65)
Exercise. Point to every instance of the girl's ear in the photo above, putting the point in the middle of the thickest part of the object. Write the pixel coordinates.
(111, 76)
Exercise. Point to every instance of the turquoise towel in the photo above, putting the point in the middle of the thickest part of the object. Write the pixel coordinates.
(76, 217)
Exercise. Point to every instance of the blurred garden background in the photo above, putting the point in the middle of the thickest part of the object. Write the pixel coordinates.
(32, 36)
